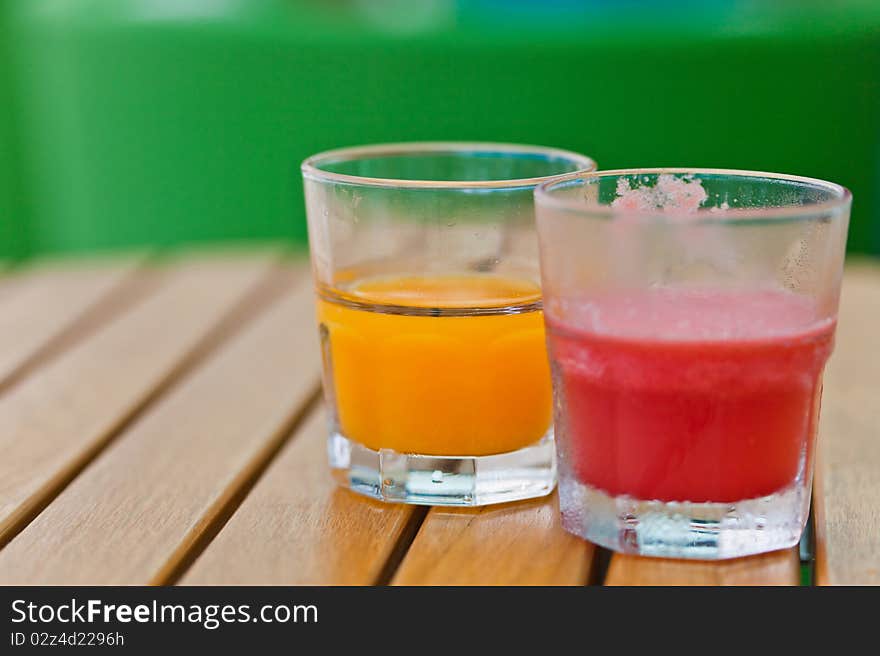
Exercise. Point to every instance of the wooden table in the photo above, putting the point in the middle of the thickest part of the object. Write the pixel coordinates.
(161, 422)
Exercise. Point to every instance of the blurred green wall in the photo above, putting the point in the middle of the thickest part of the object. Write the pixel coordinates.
(168, 121)
(14, 221)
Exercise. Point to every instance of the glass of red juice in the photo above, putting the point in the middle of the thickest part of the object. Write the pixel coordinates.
(689, 316)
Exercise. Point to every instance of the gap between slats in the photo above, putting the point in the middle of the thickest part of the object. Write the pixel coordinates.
(402, 545)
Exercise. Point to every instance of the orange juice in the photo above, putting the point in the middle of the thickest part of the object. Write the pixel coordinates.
(438, 365)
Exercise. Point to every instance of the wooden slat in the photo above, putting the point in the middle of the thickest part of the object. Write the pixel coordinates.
(42, 304)
(776, 568)
(511, 544)
(55, 420)
(297, 527)
(847, 485)
(134, 515)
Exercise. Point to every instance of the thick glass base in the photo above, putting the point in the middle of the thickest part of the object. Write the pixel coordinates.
(444, 480)
(706, 531)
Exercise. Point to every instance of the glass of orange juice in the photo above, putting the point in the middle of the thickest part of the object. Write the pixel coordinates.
(425, 261)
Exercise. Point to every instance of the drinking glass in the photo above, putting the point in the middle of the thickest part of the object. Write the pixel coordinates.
(425, 264)
(689, 317)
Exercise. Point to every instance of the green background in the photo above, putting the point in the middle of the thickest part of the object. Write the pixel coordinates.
(133, 122)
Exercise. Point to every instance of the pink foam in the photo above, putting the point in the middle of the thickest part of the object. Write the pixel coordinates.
(679, 195)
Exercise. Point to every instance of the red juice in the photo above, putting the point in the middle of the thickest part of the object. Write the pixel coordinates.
(688, 395)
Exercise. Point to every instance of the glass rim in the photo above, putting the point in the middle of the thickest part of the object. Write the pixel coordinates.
(311, 170)
(843, 197)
